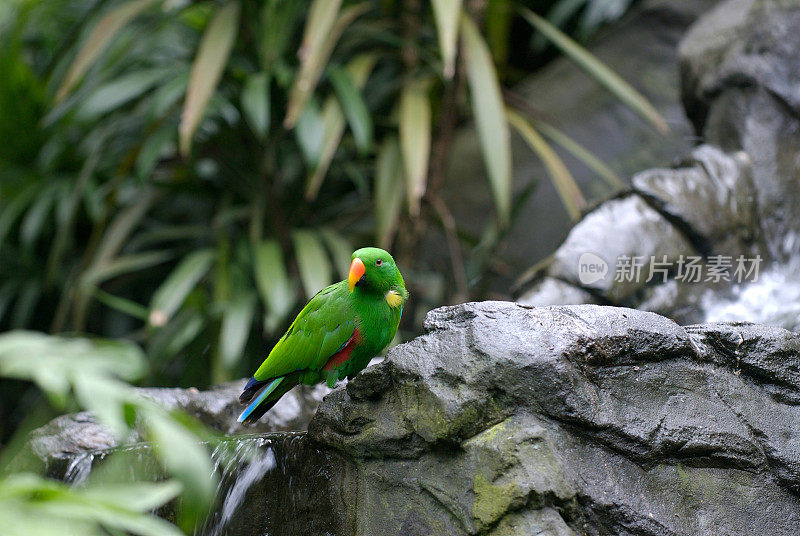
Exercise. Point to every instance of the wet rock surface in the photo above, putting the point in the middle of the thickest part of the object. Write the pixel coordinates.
(64, 439)
(505, 419)
(670, 216)
(735, 196)
(739, 75)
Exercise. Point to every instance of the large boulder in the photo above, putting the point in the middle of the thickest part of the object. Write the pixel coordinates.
(739, 80)
(736, 196)
(702, 209)
(512, 420)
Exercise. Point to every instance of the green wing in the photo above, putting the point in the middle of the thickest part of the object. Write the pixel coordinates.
(322, 327)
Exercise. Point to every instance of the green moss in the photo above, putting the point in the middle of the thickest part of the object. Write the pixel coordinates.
(490, 434)
(492, 501)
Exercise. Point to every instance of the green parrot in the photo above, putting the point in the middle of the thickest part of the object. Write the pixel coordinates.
(336, 334)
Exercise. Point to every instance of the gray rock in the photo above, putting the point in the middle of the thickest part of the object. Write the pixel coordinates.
(712, 199)
(739, 75)
(552, 291)
(510, 420)
(219, 406)
(569, 99)
(68, 439)
(506, 419)
(618, 229)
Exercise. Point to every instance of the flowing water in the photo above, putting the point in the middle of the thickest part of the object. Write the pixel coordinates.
(269, 485)
(774, 299)
(277, 484)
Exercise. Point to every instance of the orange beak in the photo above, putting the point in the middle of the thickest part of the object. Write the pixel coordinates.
(357, 270)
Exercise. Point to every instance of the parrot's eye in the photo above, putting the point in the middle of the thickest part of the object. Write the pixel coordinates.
(378, 262)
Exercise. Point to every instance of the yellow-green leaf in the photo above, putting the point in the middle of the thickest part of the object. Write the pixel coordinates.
(100, 37)
(322, 32)
(333, 119)
(388, 191)
(273, 283)
(312, 260)
(173, 291)
(415, 139)
(255, 103)
(490, 120)
(562, 179)
(212, 55)
(580, 152)
(598, 70)
(446, 13)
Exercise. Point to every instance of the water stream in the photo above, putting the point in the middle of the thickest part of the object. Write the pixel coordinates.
(269, 485)
(774, 299)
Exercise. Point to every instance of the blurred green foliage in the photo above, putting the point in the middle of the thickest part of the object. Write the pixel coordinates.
(185, 174)
(79, 373)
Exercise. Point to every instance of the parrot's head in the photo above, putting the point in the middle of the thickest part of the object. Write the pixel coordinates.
(373, 269)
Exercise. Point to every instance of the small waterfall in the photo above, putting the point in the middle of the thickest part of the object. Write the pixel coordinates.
(774, 299)
(240, 468)
(275, 485)
(78, 468)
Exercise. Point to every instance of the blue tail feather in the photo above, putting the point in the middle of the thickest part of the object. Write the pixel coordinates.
(260, 398)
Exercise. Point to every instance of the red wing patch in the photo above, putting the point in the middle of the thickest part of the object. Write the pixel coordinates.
(341, 357)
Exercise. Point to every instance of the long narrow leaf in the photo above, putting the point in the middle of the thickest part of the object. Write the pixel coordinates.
(312, 260)
(310, 134)
(415, 140)
(580, 152)
(123, 265)
(114, 94)
(272, 282)
(322, 32)
(237, 320)
(562, 179)
(388, 191)
(321, 19)
(355, 109)
(173, 291)
(186, 459)
(158, 145)
(120, 229)
(333, 119)
(212, 55)
(14, 206)
(340, 249)
(446, 13)
(122, 305)
(605, 76)
(487, 106)
(256, 102)
(35, 218)
(100, 37)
